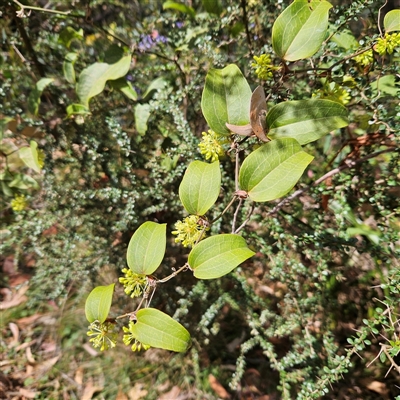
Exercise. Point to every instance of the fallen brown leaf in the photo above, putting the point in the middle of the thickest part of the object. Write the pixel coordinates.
(78, 378)
(29, 394)
(16, 299)
(171, 395)
(218, 388)
(15, 332)
(377, 387)
(29, 355)
(90, 390)
(137, 392)
(26, 321)
(121, 395)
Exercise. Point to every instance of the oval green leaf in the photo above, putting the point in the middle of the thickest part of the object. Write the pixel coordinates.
(159, 330)
(125, 87)
(93, 78)
(98, 303)
(68, 67)
(391, 22)
(273, 169)
(183, 8)
(146, 248)
(34, 96)
(218, 255)
(142, 115)
(23, 182)
(300, 30)
(200, 187)
(226, 98)
(29, 156)
(305, 120)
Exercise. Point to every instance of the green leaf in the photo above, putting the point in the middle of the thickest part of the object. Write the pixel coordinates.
(300, 30)
(69, 34)
(345, 39)
(76, 109)
(6, 189)
(200, 187)
(93, 78)
(156, 84)
(34, 96)
(218, 255)
(142, 115)
(3, 125)
(159, 330)
(98, 303)
(305, 120)
(68, 67)
(23, 182)
(212, 6)
(386, 84)
(146, 248)
(125, 88)
(226, 98)
(273, 169)
(391, 22)
(183, 8)
(29, 156)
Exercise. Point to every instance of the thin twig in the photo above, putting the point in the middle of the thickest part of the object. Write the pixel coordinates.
(183, 268)
(236, 214)
(247, 219)
(246, 26)
(21, 12)
(379, 19)
(225, 210)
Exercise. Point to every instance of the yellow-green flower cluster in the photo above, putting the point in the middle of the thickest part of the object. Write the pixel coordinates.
(333, 91)
(188, 231)
(135, 284)
(19, 203)
(103, 335)
(128, 337)
(263, 67)
(211, 145)
(388, 43)
(364, 59)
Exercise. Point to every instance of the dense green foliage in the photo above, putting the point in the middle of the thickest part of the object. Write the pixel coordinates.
(319, 300)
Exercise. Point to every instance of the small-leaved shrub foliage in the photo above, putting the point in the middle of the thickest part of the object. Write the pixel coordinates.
(234, 114)
(308, 84)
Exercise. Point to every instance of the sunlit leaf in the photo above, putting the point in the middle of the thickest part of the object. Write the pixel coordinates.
(68, 67)
(183, 8)
(146, 248)
(305, 120)
(29, 156)
(218, 255)
(391, 22)
(159, 330)
(300, 30)
(98, 303)
(157, 84)
(125, 88)
(200, 187)
(142, 115)
(34, 96)
(273, 169)
(23, 182)
(226, 99)
(93, 78)
(345, 39)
